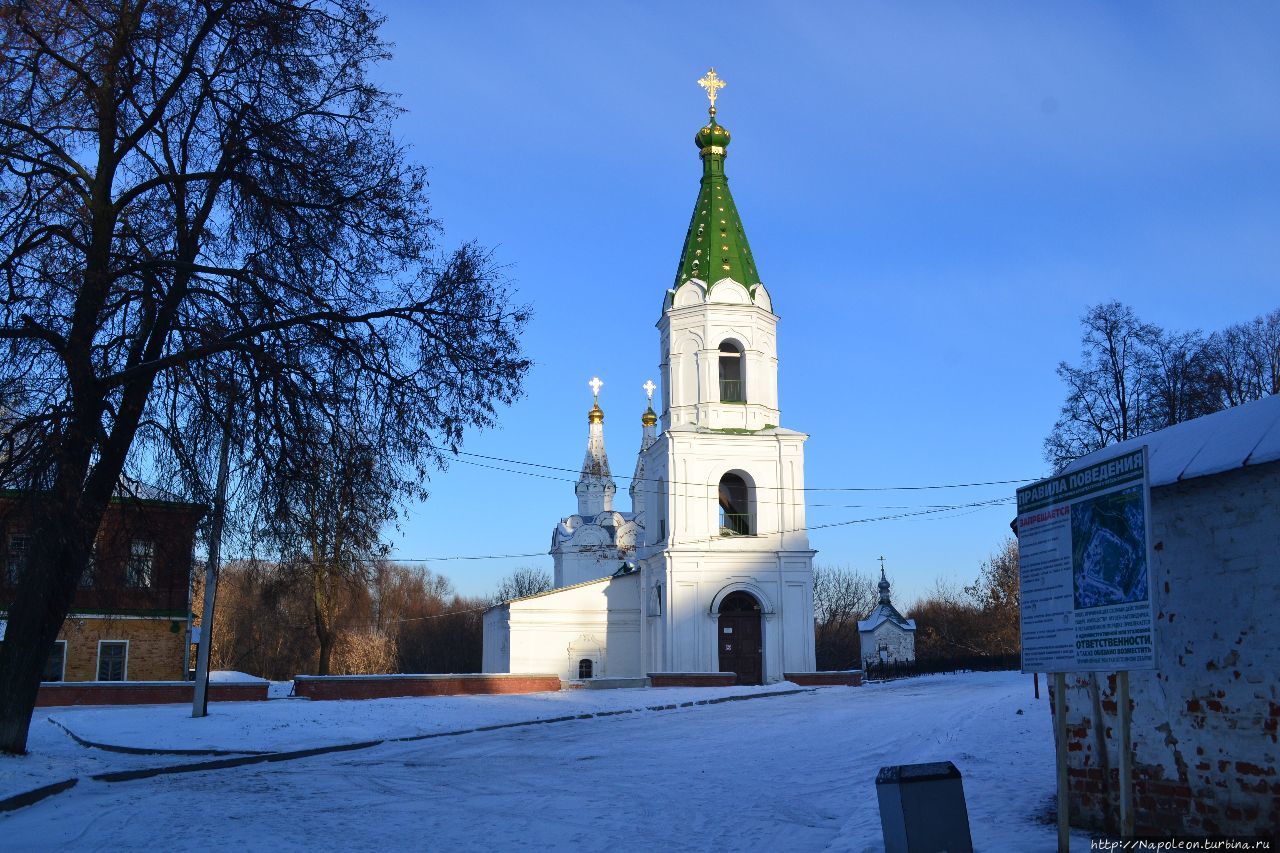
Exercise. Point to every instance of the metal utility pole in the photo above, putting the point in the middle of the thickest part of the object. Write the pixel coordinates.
(200, 704)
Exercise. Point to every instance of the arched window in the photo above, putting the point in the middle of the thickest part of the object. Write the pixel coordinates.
(737, 517)
(585, 668)
(733, 387)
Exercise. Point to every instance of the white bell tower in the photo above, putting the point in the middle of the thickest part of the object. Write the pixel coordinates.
(725, 516)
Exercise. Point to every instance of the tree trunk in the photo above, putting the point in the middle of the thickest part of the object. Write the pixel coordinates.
(61, 543)
(322, 606)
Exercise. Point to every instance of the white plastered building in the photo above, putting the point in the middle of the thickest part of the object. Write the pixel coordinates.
(712, 570)
(886, 636)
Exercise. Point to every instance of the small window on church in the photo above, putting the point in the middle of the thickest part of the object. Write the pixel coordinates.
(736, 516)
(585, 668)
(732, 387)
(662, 509)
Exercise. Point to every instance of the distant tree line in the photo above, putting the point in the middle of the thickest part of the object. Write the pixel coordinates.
(980, 619)
(1135, 377)
(388, 618)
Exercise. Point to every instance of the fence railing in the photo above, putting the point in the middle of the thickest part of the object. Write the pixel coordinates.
(733, 391)
(736, 524)
(875, 670)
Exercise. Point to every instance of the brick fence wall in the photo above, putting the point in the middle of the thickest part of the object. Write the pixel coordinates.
(386, 686)
(142, 693)
(1204, 725)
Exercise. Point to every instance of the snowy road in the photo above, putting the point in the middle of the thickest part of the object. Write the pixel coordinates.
(782, 773)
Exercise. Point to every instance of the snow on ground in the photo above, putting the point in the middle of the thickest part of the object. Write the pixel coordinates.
(782, 773)
(293, 724)
(279, 689)
(299, 724)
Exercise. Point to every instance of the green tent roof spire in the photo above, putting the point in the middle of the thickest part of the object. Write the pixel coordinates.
(716, 245)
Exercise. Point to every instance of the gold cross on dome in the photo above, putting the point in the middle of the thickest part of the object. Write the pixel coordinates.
(713, 84)
(595, 384)
(649, 387)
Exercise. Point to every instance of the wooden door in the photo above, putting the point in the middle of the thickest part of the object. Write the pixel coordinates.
(740, 640)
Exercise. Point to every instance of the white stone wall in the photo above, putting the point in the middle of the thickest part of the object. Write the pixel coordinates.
(900, 644)
(1205, 751)
(552, 632)
(690, 464)
(682, 594)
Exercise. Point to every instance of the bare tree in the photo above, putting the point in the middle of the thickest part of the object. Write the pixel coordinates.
(1244, 360)
(328, 510)
(841, 596)
(1177, 379)
(1135, 377)
(996, 592)
(1106, 393)
(523, 581)
(212, 189)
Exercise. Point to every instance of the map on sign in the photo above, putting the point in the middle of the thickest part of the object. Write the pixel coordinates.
(1109, 549)
(1084, 568)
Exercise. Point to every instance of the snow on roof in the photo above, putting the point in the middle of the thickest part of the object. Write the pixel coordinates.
(229, 676)
(885, 613)
(1233, 438)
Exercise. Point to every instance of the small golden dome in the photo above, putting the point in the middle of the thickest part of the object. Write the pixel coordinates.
(596, 415)
(649, 418)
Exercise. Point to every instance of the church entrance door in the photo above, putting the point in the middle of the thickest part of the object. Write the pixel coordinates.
(740, 639)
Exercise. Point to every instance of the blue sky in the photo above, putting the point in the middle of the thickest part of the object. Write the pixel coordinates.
(933, 192)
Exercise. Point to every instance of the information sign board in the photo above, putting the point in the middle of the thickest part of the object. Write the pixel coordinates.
(1085, 566)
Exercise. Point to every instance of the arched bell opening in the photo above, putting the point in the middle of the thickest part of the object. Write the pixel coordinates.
(733, 386)
(736, 511)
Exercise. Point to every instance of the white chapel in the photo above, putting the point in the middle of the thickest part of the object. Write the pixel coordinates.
(711, 570)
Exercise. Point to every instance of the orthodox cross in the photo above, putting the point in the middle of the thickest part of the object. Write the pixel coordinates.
(649, 387)
(595, 384)
(713, 84)
(882, 566)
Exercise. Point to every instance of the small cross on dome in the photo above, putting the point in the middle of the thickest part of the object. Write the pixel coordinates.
(649, 388)
(595, 384)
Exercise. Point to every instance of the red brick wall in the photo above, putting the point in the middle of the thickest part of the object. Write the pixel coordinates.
(143, 693)
(382, 687)
(171, 527)
(692, 679)
(851, 678)
(1206, 724)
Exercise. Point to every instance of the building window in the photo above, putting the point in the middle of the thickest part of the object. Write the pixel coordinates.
(113, 660)
(55, 666)
(733, 388)
(585, 668)
(736, 515)
(19, 544)
(662, 510)
(141, 559)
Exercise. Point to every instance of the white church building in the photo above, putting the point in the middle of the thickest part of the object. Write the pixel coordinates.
(711, 570)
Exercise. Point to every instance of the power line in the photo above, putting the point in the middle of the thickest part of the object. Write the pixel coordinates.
(703, 485)
(706, 494)
(977, 505)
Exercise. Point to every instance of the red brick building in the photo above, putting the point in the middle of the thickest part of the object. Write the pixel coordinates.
(130, 620)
